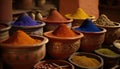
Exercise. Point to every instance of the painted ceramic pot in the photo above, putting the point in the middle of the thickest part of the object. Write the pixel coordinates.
(62, 47)
(91, 40)
(4, 31)
(24, 57)
(31, 30)
(112, 33)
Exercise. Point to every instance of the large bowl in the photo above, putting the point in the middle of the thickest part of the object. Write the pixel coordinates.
(62, 47)
(91, 40)
(51, 64)
(112, 33)
(90, 55)
(23, 57)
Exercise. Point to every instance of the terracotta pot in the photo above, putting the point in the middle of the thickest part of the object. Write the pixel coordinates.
(4, 32)
(24, 57)
(91, 40)
(31, 30)
(112, 33)
(62, 47)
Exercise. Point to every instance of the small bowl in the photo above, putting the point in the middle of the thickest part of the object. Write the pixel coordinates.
(109, 61)
(51, 64)
(116, 43)
(90, 55)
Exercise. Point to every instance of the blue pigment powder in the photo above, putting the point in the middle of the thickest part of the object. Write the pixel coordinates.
(25, 20)
(88, 26)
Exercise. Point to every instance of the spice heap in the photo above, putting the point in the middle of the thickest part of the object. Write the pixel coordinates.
(103, 20)
(85, 61)
(79, 14)
(88, 26)
(107, 52)
(25, 20)
(64, 31)
(55, 16)
(21, 38)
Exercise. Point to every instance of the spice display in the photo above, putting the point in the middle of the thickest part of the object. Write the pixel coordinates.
(103, 20)
(79, 14)
(88, 26)
(64, 31)
(55, 16)
(21, 38)
(85, 61)
(107, 52)
(25, 20)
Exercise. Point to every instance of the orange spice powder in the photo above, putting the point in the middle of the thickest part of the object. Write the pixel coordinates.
(21, 38)
(64, 31)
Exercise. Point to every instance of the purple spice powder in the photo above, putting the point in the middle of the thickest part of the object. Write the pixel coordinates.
(25, 20)
(88, 26)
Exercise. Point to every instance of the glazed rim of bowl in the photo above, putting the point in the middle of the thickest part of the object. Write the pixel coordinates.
(35, 26)
(50, 35)
(54, 61)
(116, 26)
(7, 27)
(88, 55)
(103, 30)
(67, 21)
(44, 41)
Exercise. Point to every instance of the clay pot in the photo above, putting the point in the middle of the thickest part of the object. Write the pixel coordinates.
(90, 55)
(91, 40)
(31, 30)
(62, 47)
(112, 33)
(23, 57)
(4, 32)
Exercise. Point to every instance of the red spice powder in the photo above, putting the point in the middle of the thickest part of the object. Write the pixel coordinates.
(54, 15)
(64, 31)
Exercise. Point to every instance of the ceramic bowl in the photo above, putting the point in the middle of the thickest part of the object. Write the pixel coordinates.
(91, 40)
(90, 55)
(109, 60)
(112, 33)
(23, 57)
(62, 47)
(52, 64)
(4, 32)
